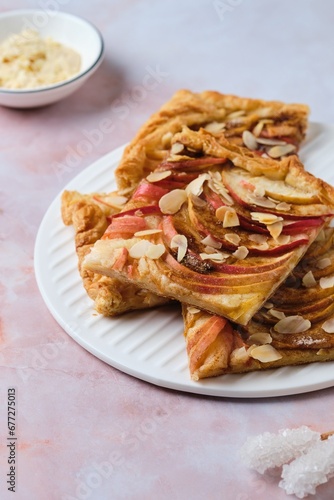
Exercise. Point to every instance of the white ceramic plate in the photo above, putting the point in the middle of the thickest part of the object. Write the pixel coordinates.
(149, 344)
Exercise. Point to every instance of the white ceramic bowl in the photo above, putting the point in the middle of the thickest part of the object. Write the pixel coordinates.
(70, 30)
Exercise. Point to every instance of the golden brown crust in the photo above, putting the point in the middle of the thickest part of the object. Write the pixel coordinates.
(194, 110)
(89, 216)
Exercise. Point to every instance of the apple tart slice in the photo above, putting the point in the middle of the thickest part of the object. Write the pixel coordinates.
(200, 233)
(294, 327)
(89, 214)
(266, 127)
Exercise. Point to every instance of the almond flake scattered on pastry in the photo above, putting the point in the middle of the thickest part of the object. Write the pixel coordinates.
(212, 242)
(275, 229)
(139, 249)
(155, 251)
(258, 238)
(176, 148)
(158, 176)
(309, 280)
(232, 238)
(213, 256)
(228, 215)
(215, 127)
(265, 218)
(270, 142)
(265, 353)
(328, 326)
(180, 242)
(249, 140)
(283, 239)
(193, 310)
(197, 201)
(166, 138)
(219, 188)
(171, 202)
(283, 206)
(113, 200)
(241, 253)
(259, 126)
(268, 305)
(239, 355)
(277, 151)
(195, 187)
(327, 282)
(235, 114)
(147, 232)
(323, 263)
(261, 201)
(261, 338)
(277, 314)
(292, 324)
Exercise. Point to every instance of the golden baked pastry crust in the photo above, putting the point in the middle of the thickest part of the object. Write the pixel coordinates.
(212, 110)
(215, 347)
(235, 291)
(88, 213)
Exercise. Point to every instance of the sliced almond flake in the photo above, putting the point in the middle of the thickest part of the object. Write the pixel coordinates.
(258, 238)
(180, 242)
(328, 326)
(260, 191)
(268, 305)
(263, 246)
(309, 280)
(195, 187)
(261, 338)
(277, 151)
(265, 353)
(216, 176)
(176, 148)
(259, 126)
(275, 229)
(283, 206)
(212, 242)
(261, 201)
(193, 310)
(139, 249)
(215, 127)
(147, 232)
(209, 249)
(249, 140)
(283, 239)
(228, 215)
(266, 141)
(197, 201)
(265, 218)
(323, 263)
(292, 324)
(235, 114)
(276, 314)
(239, 355)
(213, 256)
(219, 188)
(232, 238)
(114, 200)
(241, 253)
(171, 202)
(166, 138)
(327, 282)
(155, 251)
(158, 176)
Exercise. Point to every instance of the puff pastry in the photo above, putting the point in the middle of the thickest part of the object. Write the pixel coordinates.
(294, 327)
(215, 226)
(89, 215)
(268, 121)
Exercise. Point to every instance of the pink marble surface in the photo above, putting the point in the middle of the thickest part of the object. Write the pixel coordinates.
(86, 430)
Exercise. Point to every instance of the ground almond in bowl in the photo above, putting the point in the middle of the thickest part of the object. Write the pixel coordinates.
(29, 61)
